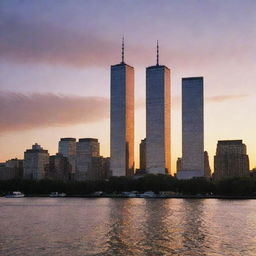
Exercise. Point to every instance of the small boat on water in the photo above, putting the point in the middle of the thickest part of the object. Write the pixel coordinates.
(130, 194)
(57, 194)
(15, 194)
(148, 194)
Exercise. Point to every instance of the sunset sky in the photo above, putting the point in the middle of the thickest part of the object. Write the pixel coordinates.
(55, 59)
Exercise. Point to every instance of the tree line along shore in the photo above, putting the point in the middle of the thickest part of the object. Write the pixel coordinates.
(197, 187)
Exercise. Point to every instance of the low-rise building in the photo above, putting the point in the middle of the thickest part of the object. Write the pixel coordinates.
(207, 168)
(143, 154)
(59, 168)
(11, 169)
(231, 159)
(36, 162)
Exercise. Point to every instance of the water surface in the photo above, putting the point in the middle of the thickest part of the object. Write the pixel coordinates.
(139, 227)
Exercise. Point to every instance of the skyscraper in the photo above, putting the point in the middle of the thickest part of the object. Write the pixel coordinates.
(158, 119)
(87, 150)
(67, 147)
(122, 119)
(231, 159)
(192, 162)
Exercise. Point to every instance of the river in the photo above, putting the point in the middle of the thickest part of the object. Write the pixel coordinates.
(137, 227)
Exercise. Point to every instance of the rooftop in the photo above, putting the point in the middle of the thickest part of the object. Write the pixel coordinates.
(67, 139)
(88, 139)
(230, 142)
(193, 78)
(157, 67)
(121, 65)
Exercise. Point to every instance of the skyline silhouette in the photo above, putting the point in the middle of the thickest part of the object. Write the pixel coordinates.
(59, 67)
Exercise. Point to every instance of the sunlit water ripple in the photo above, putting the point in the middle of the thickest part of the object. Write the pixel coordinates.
(104, 227)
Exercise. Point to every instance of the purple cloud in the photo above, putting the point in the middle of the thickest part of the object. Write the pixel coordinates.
(27, 111)
(41, 42)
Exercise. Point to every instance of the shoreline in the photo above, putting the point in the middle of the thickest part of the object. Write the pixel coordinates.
(157, 197)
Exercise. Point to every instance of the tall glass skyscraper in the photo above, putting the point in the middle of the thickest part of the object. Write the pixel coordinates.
(192, 162)
(158, 150)
(122, 119)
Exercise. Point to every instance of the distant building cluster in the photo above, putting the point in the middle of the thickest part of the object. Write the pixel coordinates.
(80, 160)
(75, 161)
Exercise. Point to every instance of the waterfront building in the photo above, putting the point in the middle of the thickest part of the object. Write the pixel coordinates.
(67, 147)
(11, 169)
(158, 155)
(36, 162)
(122, 119)
(87, 149)
(143, 154)
(207, 168)
(59, 168)
(178, 164)
(253, 172)
(192, 163)
(231, 159)
(101, 169)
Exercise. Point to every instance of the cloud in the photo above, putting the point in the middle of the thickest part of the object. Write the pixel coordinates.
(35, 41)
(41, 42)
(176, 101)
(222, 98)
(20, 111)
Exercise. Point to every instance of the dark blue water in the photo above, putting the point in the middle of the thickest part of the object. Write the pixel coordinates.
(67, 226)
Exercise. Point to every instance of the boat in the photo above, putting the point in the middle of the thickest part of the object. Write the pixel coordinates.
(57, 194)
(15, 194)
(98, 193)
(148, 194)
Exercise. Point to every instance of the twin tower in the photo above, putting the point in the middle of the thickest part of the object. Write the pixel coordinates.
(158, 114)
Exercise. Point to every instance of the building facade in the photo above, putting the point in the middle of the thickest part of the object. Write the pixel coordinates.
(101, 169)
(11, 169)
(178, 164)
(59, 168)
(192, 163)
(36, 162)
(143, 154)
(122, 120)
(231, 159)
(67, 147)
(87, 150)
(207, 168)
(158, 150)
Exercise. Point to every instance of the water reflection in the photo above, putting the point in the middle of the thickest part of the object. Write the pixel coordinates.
(157, 234)
(155, 227)
(127, 227)
(193, 233)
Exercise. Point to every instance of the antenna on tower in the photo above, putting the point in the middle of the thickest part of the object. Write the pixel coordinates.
(157, 53)
(122, 50)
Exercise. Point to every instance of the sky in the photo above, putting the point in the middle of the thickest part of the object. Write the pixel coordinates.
(55, 59)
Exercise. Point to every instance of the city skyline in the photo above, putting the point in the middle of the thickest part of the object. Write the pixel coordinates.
(60, 81)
